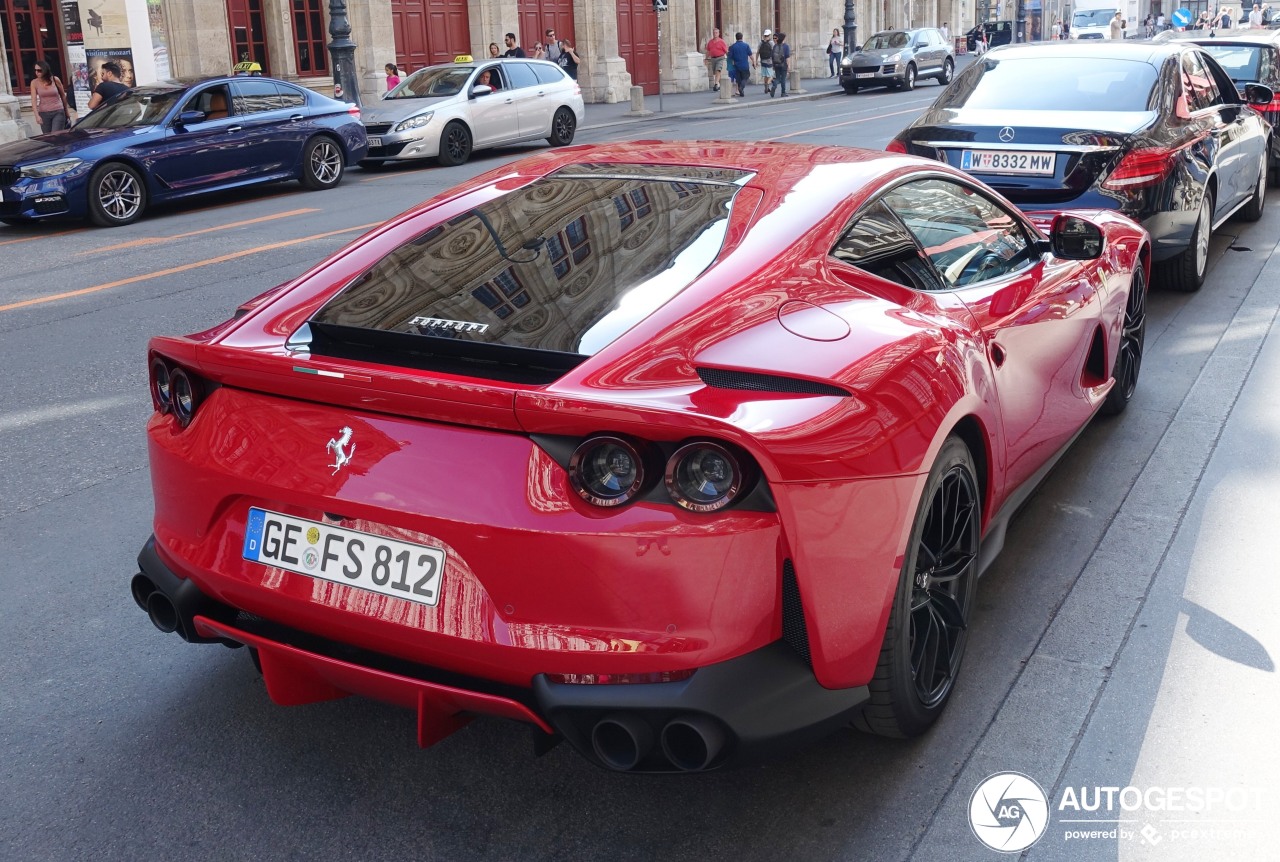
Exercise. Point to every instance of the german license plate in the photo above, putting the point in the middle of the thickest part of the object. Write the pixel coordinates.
(865, 75)
(1007, 162)
(388, 566)
(375, 142)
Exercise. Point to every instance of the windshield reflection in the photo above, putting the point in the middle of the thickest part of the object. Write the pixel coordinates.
(139, 108)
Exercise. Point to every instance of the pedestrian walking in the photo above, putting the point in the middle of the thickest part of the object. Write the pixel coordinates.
(49, 100)
(764, 56)
(1117, 26)
(568, 59)
(781, 64)
(980, 41)
(946, 33)
(741, 60)
(1255, 17)
(513, 46)
(835, 49)
(393, 76)
(717, 51)
(1224, 18)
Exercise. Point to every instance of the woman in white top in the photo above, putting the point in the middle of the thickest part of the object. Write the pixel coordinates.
(835, 48)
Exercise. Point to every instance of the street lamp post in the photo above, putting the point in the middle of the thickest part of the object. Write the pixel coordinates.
(1022, 20)
(850, 28)
(342, 53)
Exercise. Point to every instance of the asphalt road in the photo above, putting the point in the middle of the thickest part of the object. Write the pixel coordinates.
(120, 743)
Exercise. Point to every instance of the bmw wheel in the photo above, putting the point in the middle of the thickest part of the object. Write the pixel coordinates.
(1132, 339)
(117, 195)
(1252, 211)
(322, 164)
(928, 624)
(563, 125)
(948, 68)
(455, 145)
(1185, 273)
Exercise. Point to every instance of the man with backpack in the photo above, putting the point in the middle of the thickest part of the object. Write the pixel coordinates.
(781, 63)
(765, 55)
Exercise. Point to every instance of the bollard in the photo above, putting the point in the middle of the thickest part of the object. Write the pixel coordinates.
(637, 103)
(727, 89)
(793, 83)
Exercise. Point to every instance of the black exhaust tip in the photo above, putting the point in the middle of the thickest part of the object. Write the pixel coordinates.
(163, 614)
(141, 587)
(692, 742)
(621, 741)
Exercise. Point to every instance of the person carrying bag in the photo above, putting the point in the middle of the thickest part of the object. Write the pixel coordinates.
(49, 100)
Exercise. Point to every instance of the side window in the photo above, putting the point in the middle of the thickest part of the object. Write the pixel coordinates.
(252, 96)
(491, 76)
(548, 74)
(1198, 84)
(291, 97)
(967, 237)
(879, 244)
(521, 75)
(212, 101)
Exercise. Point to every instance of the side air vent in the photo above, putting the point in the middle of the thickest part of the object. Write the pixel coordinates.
(794, 631)
(756, 382)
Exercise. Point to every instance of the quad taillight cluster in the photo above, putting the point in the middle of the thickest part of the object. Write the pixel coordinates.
(175, 390)
(700, 476)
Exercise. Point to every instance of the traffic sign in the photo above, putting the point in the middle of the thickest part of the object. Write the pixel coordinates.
(1181, 17)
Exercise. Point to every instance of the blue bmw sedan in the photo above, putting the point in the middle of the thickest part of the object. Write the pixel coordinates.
(174, 140)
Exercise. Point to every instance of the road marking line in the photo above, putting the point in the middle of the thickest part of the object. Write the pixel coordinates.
(185, 267)
(838, 125)
(42, 236)
(152, 240)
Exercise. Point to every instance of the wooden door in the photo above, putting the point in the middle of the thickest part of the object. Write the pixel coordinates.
(429, 32)
(539, 16)
(638, 42)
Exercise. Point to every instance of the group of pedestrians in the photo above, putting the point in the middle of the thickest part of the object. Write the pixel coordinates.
(558, 51)
(49, 99)
(772, 57)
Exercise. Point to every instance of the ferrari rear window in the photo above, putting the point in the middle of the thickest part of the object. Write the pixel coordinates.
(564, 265)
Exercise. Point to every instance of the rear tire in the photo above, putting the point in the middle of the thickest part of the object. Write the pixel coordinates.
(1132, 340)
(948, 68)
(1252, 211)
(563, 126)
(455, 145)
(322, 164)
(1185, 273)
(925, 637)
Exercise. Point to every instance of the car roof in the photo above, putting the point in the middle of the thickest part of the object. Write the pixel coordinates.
(1232, 37)
(171, 84)
(477, 62)
(1141, 50)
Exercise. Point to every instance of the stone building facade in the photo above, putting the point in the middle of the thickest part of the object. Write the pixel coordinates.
(618, 40)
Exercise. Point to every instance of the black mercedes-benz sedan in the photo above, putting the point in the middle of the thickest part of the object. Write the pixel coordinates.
(1156, 131)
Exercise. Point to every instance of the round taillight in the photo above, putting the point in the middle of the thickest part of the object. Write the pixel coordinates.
(184, 396)
(160, 388)
(606, 471)
(704, 477)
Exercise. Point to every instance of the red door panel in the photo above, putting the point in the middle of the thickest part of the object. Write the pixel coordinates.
(638, 42)
(429, 31)
(539, 16)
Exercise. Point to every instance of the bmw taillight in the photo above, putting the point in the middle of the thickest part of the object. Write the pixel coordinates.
(705, 476)
(1145, 166)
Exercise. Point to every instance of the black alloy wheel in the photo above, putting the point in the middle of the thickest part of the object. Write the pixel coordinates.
(928, 624)
(1252, 211)
(1132, 339)
(455, 145)
(563, 126)
(1185, 273)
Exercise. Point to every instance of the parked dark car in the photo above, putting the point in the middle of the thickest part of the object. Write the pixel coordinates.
(1154, 130)
(176, 139)
(998, 33)
(1251, 57)
(898, 58)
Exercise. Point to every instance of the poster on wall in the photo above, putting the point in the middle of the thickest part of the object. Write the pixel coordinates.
(105, 24)
(97, 56)
(159, 38)
(78, 76)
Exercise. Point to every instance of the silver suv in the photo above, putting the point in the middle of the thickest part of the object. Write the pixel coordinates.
(898, 58)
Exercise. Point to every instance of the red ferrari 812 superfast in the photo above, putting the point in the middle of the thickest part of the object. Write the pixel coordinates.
(676, 451)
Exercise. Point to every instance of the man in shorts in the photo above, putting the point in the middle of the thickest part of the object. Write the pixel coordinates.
(716, 52)
(765, 56)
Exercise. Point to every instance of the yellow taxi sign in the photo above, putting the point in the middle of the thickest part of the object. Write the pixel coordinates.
(463, 58)
(246, 67)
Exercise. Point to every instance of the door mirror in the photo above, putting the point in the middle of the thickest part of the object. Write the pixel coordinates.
(481, 90)
(1073, 238)
(190, 118)
(1258, 94)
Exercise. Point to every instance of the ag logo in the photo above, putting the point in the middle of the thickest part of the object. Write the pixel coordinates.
(1008, 812)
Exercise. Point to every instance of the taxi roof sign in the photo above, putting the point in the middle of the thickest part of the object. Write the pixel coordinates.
(247, 67)
(463, 58)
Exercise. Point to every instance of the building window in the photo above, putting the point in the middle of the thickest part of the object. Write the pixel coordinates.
(683, 190)
(308, 38)
(248, 33)
(631, 206)
(503, 294)
(569, 247)
(30, 30)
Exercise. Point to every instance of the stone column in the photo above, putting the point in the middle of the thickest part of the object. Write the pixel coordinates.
(372, 31)
(12, 126)
(603, 73)
(491, 19)
(199, 38)
(681, 65)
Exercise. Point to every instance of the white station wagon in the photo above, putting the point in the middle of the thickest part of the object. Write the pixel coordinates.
(445, 112)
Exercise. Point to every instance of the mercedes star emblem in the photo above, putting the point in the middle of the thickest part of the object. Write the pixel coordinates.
(1006, 134)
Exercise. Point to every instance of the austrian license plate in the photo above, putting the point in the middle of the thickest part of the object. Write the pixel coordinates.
(1006, 162)
(375, 142)
(865, 75)
(388, 566)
